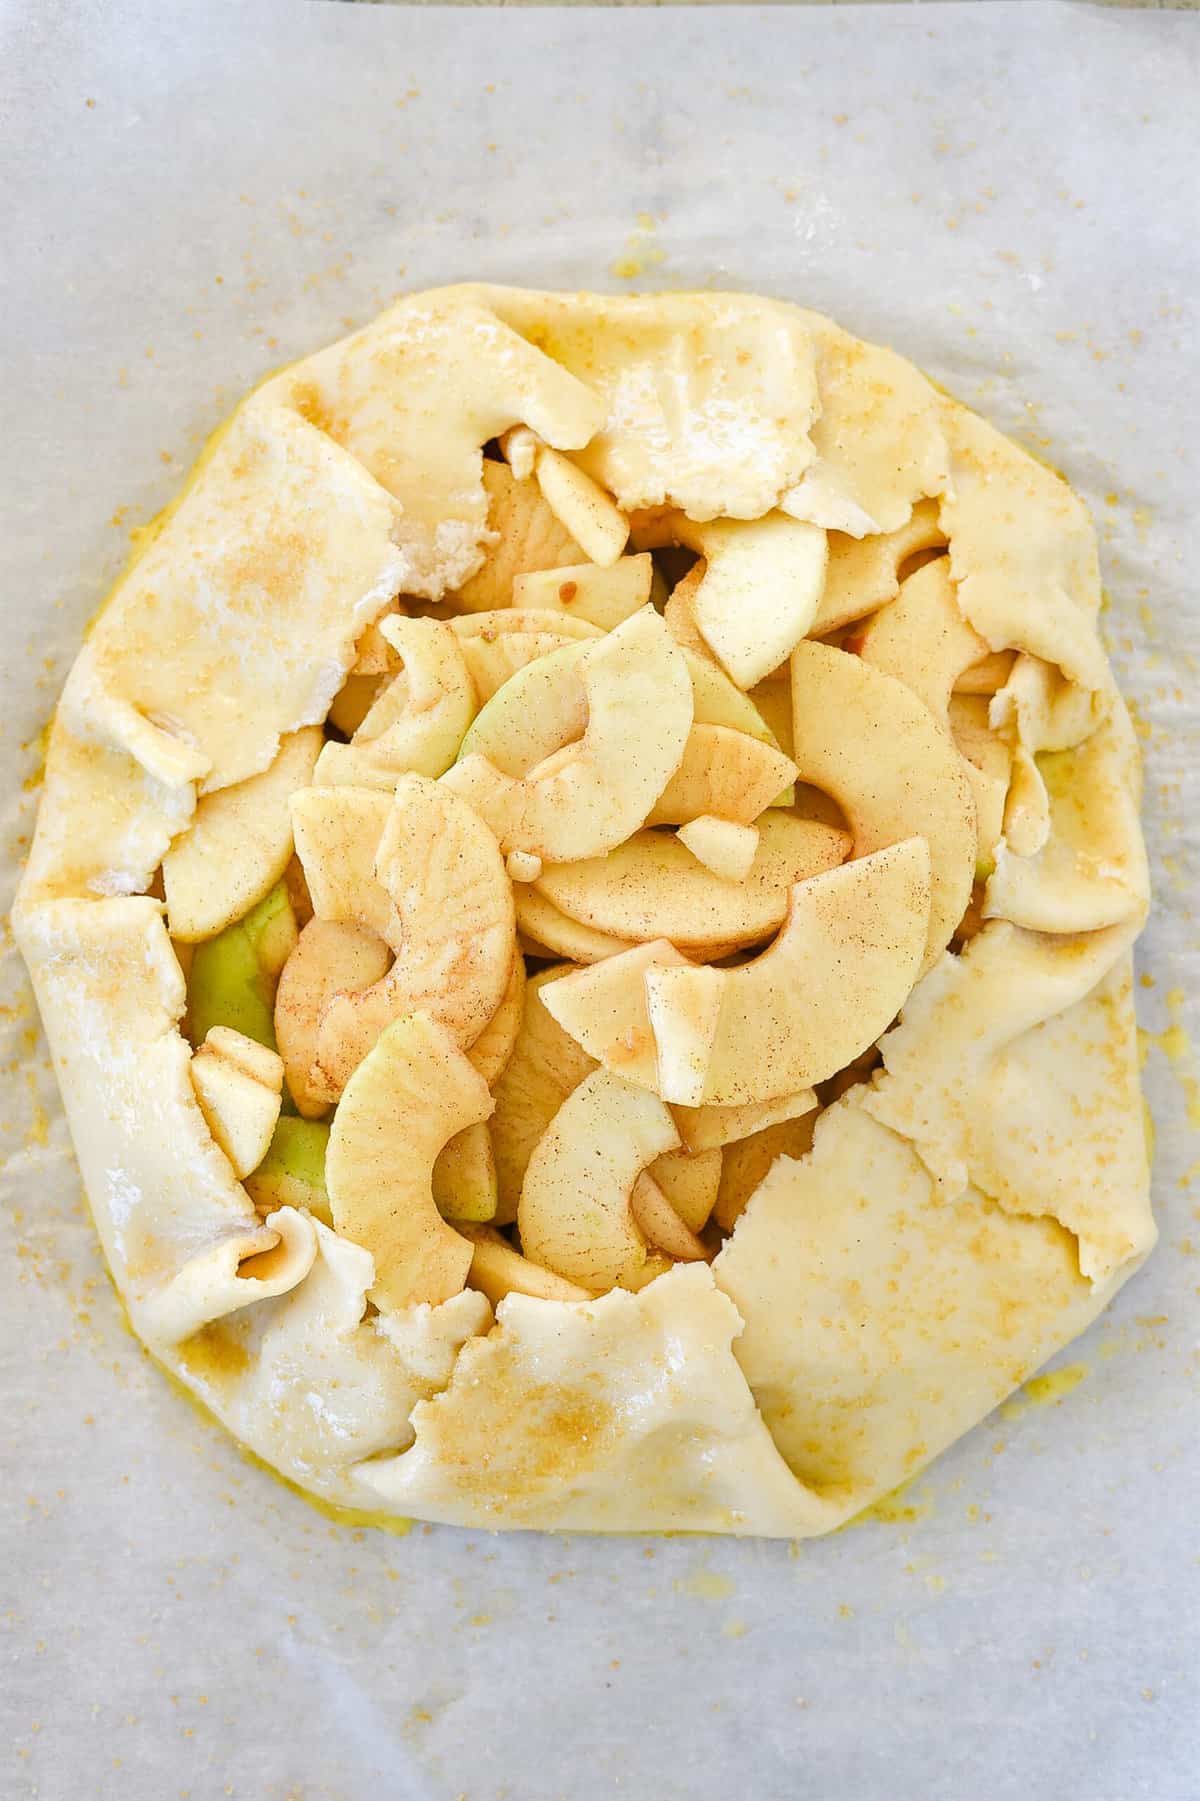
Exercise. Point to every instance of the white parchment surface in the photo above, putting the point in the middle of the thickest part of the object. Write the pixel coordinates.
(192, 194)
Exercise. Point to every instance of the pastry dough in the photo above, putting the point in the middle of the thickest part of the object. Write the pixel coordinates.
(978, 1190)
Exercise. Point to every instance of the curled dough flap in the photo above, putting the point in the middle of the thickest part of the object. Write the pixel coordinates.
(253, 1265)
(619, 1415)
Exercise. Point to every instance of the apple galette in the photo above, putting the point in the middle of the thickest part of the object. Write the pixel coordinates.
(582, 905)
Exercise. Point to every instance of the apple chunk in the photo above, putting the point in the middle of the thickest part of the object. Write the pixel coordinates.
(411, 1094)
(545, 1065)
(498, 1270)
(581, 507)
(527, 536)
(237, 845)
(331, 957)
(238, 1083)
(723, 773)
(419, 719)
(464, 1177)
(760, 590)
(833, 980)
(574, 1215)
(921, 638)
(725, 848)
(604, 597)
(604, 1010)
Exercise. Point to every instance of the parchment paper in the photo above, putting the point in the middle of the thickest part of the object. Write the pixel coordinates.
(193, 195)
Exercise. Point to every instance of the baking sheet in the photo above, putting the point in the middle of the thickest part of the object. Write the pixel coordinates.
(193, 195)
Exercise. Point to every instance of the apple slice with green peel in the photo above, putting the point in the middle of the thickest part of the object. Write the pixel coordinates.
(451, 925)
(494, 660)
(604, 1010)
(494, 1046)
(541, 923)
(331, 957)
(233, 976)
(639, 714)
(545, 1066)
(603, 597)
(498, 1270)
(419, 720)
(581, 506)
(863, 574)
(893, 770)
(407, 1099)
(833, 980)
(709, 1128)
(523, 619)
(723, 846)
(921, 637)
(237, 845)
(689, 1180)
(747, 1162)
(723, 773)
(652, 886)
(528, 537)
(574, 1214)
(292, 1174)
(238, 1083)
(660, 1225)
(760, 590)
(464, 1177)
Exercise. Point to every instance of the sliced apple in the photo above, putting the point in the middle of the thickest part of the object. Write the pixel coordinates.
(574, 1214)
(545, 1065)
(773, 702)
(354, 700)
(723, 773)
(833, 980)
(724, 847)
(988, 675)
(603, 597)
(760, 591)
(498, 1270)
(238, 1083)
(707, 1128)
(551, 932)
(653, 887)
(331, 957)
(527, 536)
(892, 769)
(689, 1180)
(292, 1174)
(604, 1010)
(494, 1045)
(989, 766)
(233, 976)
(411, 1094)
(921, 638)
(523, 619)
(582, 507)
(338, 830)
(464, 1176)
(660, 1225)
(680, 615)
(863, 574)
(746, 1163)
(639, 713)
(494, 660)
(451, 926)
(419, 720)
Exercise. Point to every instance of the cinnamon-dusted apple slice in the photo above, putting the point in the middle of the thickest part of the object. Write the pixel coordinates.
(921, 637)
(502, 620)
(407, 1099)
(574, 1214)
(464, 1176)
(238, 1083)
(689, 1180)
(746, 1163)
(680, 615)
(833, 980)
(706, 1128)
(497, 1269)
(892, 769)
(581, 506)
(331, 957)
(661, 1226)
(494, 660)
(528, 536)
(864, 573)
(652, 886)
(723, 846)
(494, 1045)
(604, 1010)
(639, 714)
(545, 1065)
(237, 845)
(760, 590)
(723, 773)
(584, 591)
(419, 720)
(554, 933)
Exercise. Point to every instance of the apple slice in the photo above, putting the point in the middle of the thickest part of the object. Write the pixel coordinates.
(238, 1083)
(989, 675)
(892, 769)
(833, 980)
(725, 848)
(494, 1045)
(574, 1214)
(338, 830)
(661, 1226)
(464, 1176)
(543, 925)
(639, 713)
(652, 886)
(689, 1180)
(527, 536)
(747, 1163)
(411, 1094)
(494, 659)
(724, 773)
(988, 760)
(864, 573)
(545, 1065)
(760, 590)
(680, 615)
(706, 1128)
(419, 720)
(292, 1174)
(581, 507)
(232, 977)
(604, 597)
(237, 845)
(451, 926)
(331, 957)
(498, 1270)
(921, 638)
(604, 1010)
(523, 619)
